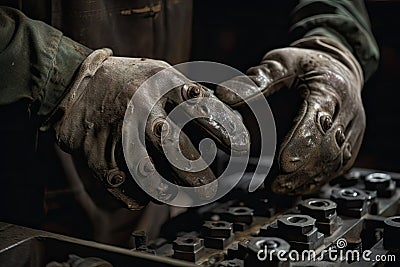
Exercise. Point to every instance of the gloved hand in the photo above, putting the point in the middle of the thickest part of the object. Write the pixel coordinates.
(93, 113)
(328, 130)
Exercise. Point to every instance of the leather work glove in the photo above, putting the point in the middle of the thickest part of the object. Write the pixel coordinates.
(328, 130)
(93, 113)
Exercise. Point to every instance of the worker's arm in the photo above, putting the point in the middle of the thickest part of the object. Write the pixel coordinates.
(346, 22)
(37, 63)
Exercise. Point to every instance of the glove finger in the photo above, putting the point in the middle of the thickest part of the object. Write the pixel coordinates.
(275, 72)
(185, 160)
(222, 124)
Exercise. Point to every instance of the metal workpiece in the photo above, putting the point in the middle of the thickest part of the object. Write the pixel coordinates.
(231, 232)
(349, 197)
(298, 229)
(391, 233)
(263, 251)
(324, 211)
(188, 248)
(217, 234)
(328, 228)
(217, 229)
(296, 224)
(239, 215)
(382, 183)
(352, 202)
(139, 238)
(237, 250)
(218, 242)
(319, 209)
(188, 243)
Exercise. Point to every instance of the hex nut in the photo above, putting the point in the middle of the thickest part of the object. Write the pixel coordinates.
(349, 197)
(188, 243)
(328, 228)
(189, 256)
(218, 242)
(239, 215)
(300, 246)
(391, 233)
(377, 181)
(272, 246)
(255, 244)
(237, 250)
(217, 229)
(353, 212)
(296, 223)
(319, 209)
(389, 191)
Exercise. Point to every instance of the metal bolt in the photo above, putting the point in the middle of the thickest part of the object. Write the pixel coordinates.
(340, 137)
(377, 181)
(191, 91)
(326, 122)
(160, 128)
(115, 178)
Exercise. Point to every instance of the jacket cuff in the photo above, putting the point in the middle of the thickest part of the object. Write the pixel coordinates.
(65, 64)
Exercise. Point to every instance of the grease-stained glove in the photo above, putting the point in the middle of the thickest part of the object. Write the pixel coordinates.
(93, 113)
(328, 130)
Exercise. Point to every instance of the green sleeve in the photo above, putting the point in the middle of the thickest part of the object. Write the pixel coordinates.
(345, 21)
(37, 63)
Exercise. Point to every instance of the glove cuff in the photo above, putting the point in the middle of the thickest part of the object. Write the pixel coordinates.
(87, 70)
(334, 49)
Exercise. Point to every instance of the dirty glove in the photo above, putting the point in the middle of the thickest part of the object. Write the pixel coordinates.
(93, 113)
(328, 130)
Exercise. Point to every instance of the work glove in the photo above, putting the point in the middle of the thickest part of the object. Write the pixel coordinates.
(93, 111)
(328, 130)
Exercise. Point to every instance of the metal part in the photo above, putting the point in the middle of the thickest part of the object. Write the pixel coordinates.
(299, 230)
(239, 215)
(359, 219)
(270, 247)
(217, 229)
(391, 233)
(324, 211)
(320, 209)
(188, 248)
(115, 178)
(139, 238)
(296, 224)
(382, 183)
(350, 201)
(218, 242)
(188, 243)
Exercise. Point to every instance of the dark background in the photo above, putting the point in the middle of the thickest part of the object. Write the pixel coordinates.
(239, 33)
